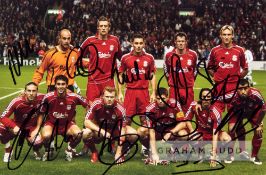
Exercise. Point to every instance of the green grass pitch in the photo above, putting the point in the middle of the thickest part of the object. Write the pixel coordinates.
(82, 165)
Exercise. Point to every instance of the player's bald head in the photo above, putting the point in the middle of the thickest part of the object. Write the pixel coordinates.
(65, 32)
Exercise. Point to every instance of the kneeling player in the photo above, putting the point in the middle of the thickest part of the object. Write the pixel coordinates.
(25, 121)
(207, 120)
(104, 119)
(163, 121)
(60, 107)
(249, 104)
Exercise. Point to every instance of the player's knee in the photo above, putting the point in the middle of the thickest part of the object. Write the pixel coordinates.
(87, 134)
(142, 131)
(227, 138)
(183, 134)
(76, 139)
(46, 136)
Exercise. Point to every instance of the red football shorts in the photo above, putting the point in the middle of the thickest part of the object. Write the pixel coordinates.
(253, 119)
(95, 90)
(224, 92)
(62, 129)
(136, 101)
(7, 135)
(185, 99)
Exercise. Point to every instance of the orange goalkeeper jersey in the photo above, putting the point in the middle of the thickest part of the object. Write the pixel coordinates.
(55, 63)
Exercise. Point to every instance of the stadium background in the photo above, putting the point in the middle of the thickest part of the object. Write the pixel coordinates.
(29, 20)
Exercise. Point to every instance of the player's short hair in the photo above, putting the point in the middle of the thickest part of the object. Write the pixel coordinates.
(243, 81)
(202, 90)
(227, 27)
(109, 89)
(61, 77)
(181, 34)
(31, 83)
(103, 18)
(137, 35)
(162, 91)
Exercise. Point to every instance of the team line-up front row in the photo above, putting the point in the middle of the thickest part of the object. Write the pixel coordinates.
(58, 109)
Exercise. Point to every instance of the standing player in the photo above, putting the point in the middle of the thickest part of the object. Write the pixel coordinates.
(25, 120)
(54, 62)
(180, 68)
(108, 113)
(137, 68)
(60, 107)
(225, 63)
(250, 59)
(248, 103)
(207, 121)
(101, 63)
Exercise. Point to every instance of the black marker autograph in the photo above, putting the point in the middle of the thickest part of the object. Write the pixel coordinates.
(129, 145)
(18, 142)
(79, 64)
(14, 61)
(22, 134)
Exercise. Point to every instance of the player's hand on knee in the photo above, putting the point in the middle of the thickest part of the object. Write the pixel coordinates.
(259, 130)
(167, 136)
(16, 130)
(105, 133)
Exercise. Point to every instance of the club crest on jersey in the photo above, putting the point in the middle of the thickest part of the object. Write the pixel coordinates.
(145, 64)
(171, 115)
(189, 62)
(112, 47)
(68, 107)
(25, 116)
(113, 116)
(234, 58)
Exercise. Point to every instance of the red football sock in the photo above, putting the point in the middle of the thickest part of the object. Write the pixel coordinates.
(145, 142)
(256, 144)
(91, 145)
(241, 139)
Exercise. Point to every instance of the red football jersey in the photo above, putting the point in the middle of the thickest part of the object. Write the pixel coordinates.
(145, 66)
(21, 109)
(165, 115)
(107, 49)
(186, 65)
(226, 62)
(63, 109)
(207, 120)
(99, 112)
(249, 104)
